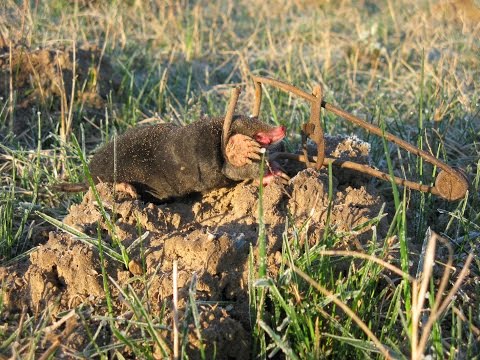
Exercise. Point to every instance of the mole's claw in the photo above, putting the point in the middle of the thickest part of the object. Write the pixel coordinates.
(284, 176)
(254, 156)
(283, 181)
(253, 147)
(242, 150)
(256, 147)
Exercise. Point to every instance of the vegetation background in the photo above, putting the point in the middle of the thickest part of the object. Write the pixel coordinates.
(413, 66)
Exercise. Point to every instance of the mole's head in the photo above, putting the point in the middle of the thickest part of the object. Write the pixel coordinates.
(243, 150)
(261, 132)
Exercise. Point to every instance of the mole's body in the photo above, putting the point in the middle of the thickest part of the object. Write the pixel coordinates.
(167, 161)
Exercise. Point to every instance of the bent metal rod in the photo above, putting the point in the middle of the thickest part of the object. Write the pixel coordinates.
(450, 184)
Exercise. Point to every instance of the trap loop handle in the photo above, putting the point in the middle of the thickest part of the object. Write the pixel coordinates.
(450, 184)
(313, 128)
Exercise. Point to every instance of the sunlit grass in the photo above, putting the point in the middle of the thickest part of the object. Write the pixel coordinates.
(411, 67)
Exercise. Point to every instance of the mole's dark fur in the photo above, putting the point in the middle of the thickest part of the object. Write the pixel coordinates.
(167, 161)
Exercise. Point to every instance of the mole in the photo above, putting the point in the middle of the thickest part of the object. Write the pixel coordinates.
(166, 161)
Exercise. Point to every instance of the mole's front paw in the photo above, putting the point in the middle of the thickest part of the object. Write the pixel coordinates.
(273, 173)
(242, 150)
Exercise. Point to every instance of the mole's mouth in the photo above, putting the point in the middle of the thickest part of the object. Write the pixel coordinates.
(267, 138)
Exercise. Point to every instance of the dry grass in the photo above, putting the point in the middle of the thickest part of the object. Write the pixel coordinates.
(412, 65)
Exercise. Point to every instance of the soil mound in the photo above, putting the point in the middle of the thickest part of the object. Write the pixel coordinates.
(210, 236)
(42, 80)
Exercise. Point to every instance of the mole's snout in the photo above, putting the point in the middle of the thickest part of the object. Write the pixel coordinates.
(266, 138)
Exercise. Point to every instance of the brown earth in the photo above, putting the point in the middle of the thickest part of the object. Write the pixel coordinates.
(210, 236)
(42, 80)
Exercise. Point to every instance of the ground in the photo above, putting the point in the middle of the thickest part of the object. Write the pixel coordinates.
(210, 236)
(92, 274)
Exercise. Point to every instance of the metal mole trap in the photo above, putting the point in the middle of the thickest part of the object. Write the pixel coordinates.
(450, 184)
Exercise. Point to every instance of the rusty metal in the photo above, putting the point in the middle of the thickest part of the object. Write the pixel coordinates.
(450, 184)
(313, 128)
(227, 123)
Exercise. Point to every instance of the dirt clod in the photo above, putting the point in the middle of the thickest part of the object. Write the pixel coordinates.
(210, 236)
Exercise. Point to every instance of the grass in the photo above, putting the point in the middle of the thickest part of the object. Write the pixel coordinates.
(409, 66)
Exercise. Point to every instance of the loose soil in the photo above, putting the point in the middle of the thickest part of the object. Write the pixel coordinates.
(41, 80)
(210, 237)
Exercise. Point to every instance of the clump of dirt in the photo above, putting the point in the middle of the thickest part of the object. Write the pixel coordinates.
(209, 236)
(42, 80)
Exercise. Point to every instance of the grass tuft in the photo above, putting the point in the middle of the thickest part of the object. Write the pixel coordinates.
(411, 67)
